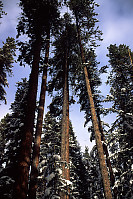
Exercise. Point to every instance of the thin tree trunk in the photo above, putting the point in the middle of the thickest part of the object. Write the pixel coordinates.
(104, 172)
(65, 131)
(22, 173)
(112, 178)
(36, 148)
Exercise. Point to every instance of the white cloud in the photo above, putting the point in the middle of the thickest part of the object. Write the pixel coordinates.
(9, 21)
(119, 32)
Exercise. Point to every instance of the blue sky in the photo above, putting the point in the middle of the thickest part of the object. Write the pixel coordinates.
(116, 18)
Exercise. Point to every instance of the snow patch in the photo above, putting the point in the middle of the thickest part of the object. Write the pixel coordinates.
(132, 167)
(57, 157)
(55, 197)
(50, 177)
(43, 162)
(123, 90)
(114, 170)
(47, 191)
(59, 171)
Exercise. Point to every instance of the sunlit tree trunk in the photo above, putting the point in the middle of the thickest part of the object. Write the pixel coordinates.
(105, 149)
(22, 173)
(103, 167)
(65, 131)
(36, 147)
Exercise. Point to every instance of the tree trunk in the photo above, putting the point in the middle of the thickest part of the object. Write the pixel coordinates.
(36, 148)
(22, 173)
(65, 132)
(112, 178)
(104, 172)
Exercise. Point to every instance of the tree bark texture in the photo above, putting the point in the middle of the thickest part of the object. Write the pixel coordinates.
(36, 147)
(105, 149)
(103, 167)
(65, 131)
(22, 173)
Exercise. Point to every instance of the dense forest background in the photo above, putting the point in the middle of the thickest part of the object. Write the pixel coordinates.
(67, 116)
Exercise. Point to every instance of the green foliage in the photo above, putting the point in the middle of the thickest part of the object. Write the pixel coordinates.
(84, 11)
(91, 162)
(36, 19)
(1, 9)
(81, 91)
(7, 53)
(88, 34)
(49, 149)
(67, 41)
(78, 171)
(50, 175)
(11, 128)
(120, 139)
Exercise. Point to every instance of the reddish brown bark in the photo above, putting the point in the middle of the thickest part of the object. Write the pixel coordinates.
(108, 162)
(104, 172)
(65, 131)
(112, 178)
(22, 177)
(36, 148)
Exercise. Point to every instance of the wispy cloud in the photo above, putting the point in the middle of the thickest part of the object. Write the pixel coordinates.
(9, 21)
(116, 21)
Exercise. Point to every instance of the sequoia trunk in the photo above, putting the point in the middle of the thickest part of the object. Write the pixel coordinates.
(22, 174)
(105, 149)
(104, 172)
(36, 147)
(65, 131)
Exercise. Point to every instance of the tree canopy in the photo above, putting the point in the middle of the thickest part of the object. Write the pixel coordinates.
(39, 153)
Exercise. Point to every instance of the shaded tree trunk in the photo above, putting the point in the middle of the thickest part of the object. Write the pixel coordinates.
(22, 173)
(36, 147)
(104, 172)
(65, 131)
(112, 178)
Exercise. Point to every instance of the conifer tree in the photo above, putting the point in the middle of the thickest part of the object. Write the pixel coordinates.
(63, 68)
(49, 164)
(81, 92)
(7, 53)
(33, 23)
(94, 175)
(120, 135)
(36, 147)
(6, 180)
(84, 15)
(11, 128)
(50, 181)
(1, 10)
(78, 172)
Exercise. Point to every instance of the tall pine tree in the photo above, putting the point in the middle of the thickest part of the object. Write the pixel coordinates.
(7, 53)
(33, 22)
(62, 73)
(11, 129)
(120, 138)
(84, 15)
